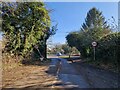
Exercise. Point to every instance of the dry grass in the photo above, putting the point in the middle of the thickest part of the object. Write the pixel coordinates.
(26, 76)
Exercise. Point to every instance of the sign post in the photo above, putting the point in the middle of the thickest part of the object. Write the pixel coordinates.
(94, 44)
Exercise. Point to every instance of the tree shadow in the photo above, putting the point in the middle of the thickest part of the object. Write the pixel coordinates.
(44, 62)
(53, 67)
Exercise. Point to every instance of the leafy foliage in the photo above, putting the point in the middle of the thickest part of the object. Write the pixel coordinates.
(108, 49)
(42, 47)
(94, 28)
(25, 25)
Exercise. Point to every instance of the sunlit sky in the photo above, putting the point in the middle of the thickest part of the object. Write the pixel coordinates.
(71, 15)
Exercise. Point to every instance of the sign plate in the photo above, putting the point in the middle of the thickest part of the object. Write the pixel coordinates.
(94, 44)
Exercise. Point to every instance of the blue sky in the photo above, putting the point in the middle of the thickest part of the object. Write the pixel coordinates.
(71, 15)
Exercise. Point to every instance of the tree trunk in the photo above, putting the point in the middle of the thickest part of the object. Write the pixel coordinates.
(45, 50)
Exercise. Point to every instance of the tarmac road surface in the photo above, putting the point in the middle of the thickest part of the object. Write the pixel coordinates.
(72, 77)
(69, 77)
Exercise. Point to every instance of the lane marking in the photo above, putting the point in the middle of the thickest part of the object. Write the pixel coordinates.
(58, 66)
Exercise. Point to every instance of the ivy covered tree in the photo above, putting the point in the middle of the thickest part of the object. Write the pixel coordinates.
(24, 25)
(42, 45)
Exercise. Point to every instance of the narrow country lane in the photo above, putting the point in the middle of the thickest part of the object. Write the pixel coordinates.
(74, 75)
(69, 77)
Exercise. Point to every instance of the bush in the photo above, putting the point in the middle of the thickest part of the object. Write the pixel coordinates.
(108, 49)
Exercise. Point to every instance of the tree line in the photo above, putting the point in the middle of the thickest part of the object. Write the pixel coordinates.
(63, 49)
(96, 28)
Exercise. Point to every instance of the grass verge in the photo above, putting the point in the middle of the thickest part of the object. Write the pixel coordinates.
(106, 66)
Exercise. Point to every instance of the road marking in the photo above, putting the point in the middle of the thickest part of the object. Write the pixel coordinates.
(58, 69)
(59, 66)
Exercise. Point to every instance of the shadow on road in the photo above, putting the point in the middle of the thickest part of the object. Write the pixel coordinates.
(69, 77)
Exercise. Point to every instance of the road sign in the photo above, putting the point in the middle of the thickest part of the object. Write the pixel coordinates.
(94, 44)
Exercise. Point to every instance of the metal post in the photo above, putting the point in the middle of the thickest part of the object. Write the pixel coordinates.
(94, 44)
(94, 53)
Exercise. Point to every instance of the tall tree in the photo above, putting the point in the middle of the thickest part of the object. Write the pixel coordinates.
(24, 25)
(95, 25)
